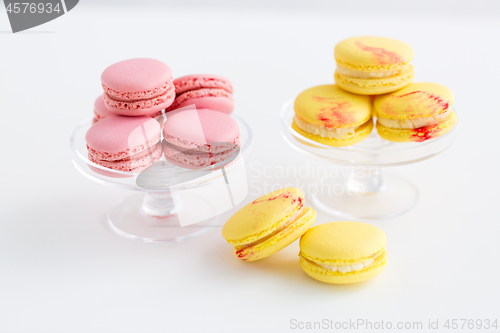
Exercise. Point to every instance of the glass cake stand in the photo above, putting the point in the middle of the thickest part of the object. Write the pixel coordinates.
(365, 192)
(154, 215)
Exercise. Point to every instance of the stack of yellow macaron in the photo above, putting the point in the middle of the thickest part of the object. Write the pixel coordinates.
(374, 77)
(336, 252)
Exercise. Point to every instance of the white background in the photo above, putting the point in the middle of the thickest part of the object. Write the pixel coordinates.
(62, 270)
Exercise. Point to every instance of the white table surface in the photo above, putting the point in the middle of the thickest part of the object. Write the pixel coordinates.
(62, 270)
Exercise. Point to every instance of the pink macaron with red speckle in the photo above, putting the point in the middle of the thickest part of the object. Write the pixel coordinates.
(138, 87)
(124, 143)
(197, 138)
(204, 91)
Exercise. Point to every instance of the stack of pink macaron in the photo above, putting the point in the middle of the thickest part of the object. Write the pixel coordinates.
(124, 135)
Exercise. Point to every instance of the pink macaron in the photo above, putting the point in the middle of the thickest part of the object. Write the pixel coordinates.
(197, 138)
(124, 143)
(204, 91)
(138, 87)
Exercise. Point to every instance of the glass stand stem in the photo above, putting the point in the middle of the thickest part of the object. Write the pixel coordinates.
(158, 204)
(153, 218)
(365, 180)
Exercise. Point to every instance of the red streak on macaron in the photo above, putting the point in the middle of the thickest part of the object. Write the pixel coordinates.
(300, 200)
(424, 133)
(381, 55)
(336, 114)
(285, 195)
(240, 254)
(421, 96)
(411, 93)
(328, 100)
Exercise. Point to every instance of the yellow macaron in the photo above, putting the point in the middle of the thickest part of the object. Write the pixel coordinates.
(332, 116)
(268, 224)
(373, 65)
(343, 252)
(416, 113)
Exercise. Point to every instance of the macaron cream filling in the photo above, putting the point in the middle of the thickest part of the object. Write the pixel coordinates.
(194, 82)
(199, 93)
(343, 267)
(412, 123)
(370, 74)
(325, 132)
(291, 220)
(139, 103)
(139, 95)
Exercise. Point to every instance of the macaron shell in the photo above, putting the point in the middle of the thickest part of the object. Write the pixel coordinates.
(193, 127)
(330, 106)
(196, 159)
(221, 104)
(361, 133)
(281, 240)
(262, 216)
(373, 53)
(324, 275)
(417, 134)
(110, 174)
(417, 100)
(342, 242)
(137, 78)
(133, 163)
(100, 109)
(117, 137)
(213, 99)
(200, 81)
(376, 86)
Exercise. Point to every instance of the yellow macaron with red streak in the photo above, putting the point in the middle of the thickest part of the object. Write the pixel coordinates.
(343, 252)
(416, 113)
(268, 224)
(332, 116)
(373, 65)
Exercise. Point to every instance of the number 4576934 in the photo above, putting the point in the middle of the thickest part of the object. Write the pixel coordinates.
(27, 7)
(470, 324)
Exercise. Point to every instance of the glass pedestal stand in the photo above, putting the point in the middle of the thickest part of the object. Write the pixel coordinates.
(368, 192)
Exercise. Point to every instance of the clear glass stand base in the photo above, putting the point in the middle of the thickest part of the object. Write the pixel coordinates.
(382, 197)
(152, 218)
